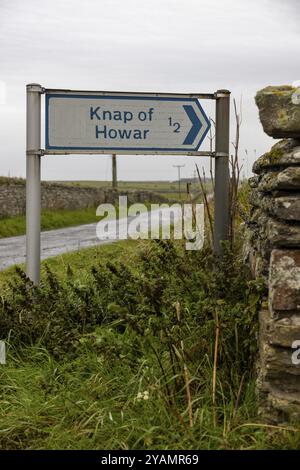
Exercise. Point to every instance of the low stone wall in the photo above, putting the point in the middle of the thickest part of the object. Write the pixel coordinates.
(60, 196)
(273, 252)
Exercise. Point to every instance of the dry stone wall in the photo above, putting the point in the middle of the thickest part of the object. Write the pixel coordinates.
(60, 196)
(273, 252)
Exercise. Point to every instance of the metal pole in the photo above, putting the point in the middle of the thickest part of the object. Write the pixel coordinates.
(33, 182)
(114, 171)
(179, 178)
(221, 222)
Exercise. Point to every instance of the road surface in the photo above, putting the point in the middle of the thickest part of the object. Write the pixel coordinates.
(56, 242)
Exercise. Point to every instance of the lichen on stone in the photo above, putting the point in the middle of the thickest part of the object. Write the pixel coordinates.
(284, 153)
(281, 90)
(279, 112)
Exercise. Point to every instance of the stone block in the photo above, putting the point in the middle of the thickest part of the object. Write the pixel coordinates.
(288, 179)
(284, 282)
(283, 154)
(253, 181)
(279, 407)
(255, 198)
(283, 207)
(280, 332)
(279, 111)
(281, 234)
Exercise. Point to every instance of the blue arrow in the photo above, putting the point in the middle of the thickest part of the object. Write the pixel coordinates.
(195, 127)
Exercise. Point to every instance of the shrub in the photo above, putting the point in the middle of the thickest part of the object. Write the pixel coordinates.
(169, 295)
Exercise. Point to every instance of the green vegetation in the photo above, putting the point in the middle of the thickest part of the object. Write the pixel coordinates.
(274, 155)
(52, 219)
(134, 345)
(167, 189)
(81, 261)
(13, 226)
(115, 350)
(9, 180)
(155, 186)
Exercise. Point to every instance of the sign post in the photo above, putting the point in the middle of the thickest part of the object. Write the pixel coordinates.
(221, 196)
(33, 182)
(87, 122)
(114, 171)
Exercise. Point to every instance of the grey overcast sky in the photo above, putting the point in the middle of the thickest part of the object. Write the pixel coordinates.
(142, 45)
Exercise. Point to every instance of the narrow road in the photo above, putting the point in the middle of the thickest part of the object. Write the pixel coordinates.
(56, 242)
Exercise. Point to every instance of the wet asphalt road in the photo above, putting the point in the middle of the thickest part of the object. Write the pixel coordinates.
(57, 242)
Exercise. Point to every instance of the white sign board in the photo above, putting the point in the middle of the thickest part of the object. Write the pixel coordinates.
(94, 122)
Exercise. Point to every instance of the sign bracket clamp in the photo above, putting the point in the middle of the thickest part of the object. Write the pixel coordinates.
(39, 152)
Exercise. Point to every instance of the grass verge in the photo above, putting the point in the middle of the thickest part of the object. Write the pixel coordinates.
(13, 226)
(117, 350)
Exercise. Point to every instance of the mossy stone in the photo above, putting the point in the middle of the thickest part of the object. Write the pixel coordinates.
(279, 111)
(284, 153)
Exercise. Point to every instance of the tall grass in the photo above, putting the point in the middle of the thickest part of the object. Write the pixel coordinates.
(97, 401)
(123, 355)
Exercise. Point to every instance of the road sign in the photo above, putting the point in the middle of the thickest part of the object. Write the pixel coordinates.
(120, 123)
(98, 123)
